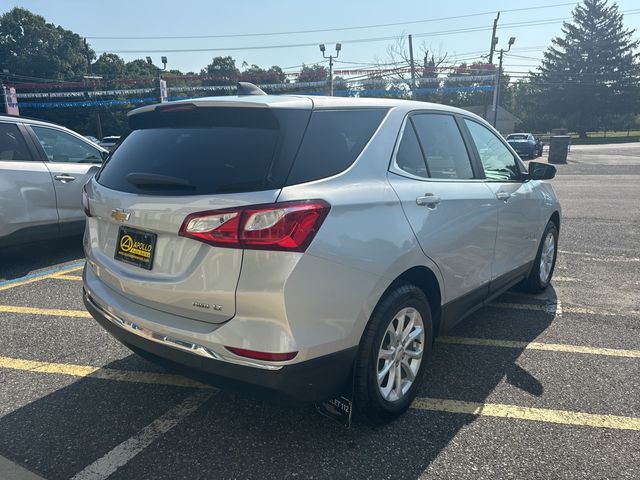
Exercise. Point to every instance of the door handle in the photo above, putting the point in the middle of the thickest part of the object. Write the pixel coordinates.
(504, 196)
(64, 178)
(429, 200)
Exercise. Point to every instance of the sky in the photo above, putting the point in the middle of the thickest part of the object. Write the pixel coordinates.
(430, 28)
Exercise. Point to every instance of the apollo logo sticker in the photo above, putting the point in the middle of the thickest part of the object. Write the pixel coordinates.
(136, 247)
(126, 243)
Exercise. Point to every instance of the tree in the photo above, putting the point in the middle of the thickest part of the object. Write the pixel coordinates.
(109, 65)
(224, 71)
(258, 75)
(32, 47)
(313, 73)
(140, 68)
(592, 71)
(397, 68)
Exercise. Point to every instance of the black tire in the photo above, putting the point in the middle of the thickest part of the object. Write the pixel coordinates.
(533, 282)
(369, 402)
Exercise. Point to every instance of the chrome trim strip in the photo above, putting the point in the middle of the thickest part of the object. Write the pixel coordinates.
(165, 340)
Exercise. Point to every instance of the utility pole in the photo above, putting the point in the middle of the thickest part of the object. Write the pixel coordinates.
(496, 95)
(413, 68)
(91, 76)
(331, 57)
(494, 42)
(494, 39)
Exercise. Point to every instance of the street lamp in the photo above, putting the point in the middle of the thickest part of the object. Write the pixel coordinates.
(161, 83)
(331, 57)
(496, 91)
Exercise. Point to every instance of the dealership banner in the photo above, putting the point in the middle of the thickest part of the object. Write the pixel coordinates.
(10, 101)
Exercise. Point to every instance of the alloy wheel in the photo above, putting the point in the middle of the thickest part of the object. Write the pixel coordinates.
(547, 256)
(400, 354)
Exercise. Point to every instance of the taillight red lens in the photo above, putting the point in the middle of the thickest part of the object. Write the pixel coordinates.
(288, 226)
(273, 357)
(85, 202)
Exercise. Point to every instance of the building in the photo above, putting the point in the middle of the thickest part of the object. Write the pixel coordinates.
(507, 121)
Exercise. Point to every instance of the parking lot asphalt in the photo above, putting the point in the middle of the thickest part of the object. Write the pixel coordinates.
(532, 386)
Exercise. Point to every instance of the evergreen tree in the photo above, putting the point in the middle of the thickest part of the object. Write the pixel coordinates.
(592, 71)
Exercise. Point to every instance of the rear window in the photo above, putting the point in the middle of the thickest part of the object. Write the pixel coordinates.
(206, 151)
(333, 141)
(517, 137)
(203, 151)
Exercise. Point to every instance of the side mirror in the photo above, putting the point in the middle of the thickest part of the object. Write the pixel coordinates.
(541, 171)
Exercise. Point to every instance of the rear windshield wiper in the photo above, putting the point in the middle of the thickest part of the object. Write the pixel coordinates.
(154, 179)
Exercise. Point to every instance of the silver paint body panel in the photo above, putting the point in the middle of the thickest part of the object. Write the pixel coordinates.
(317, 302)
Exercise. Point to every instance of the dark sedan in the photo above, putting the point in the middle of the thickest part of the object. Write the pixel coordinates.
(525, 144)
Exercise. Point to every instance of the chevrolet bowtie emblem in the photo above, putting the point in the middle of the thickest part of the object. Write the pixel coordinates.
(120, 215)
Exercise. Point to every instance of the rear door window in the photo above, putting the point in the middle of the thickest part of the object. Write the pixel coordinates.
(203, 151)
(12, 145)
(409, 157)
(443, 146)
(333, 141)
(62, 147)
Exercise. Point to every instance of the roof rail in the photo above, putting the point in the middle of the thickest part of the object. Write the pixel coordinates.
(246, 88)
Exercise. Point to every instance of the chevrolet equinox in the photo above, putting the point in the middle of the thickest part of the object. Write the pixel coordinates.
(301, 246)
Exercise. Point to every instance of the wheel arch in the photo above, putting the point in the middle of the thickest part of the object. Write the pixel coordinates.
(426, 280)
(555, 218)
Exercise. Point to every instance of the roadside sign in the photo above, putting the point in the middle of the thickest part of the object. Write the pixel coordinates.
(11, 101)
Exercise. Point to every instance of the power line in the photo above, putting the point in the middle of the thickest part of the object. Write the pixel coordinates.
(319, 30)
(360, 40)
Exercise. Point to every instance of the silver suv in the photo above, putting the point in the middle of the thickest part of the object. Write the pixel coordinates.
(304, 246)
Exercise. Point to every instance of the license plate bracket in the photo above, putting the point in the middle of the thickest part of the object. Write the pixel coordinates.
(136, 247)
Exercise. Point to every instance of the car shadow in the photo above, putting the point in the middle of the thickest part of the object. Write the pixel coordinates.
(20, 260)
(232, 436)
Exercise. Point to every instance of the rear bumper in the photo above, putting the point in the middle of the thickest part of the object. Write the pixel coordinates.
(310, 381)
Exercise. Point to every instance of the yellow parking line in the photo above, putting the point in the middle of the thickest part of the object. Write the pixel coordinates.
(45, 311)
(527, 413)
(549, 347)
(39, 278)
(421, 403)
(67, 277)
(99, 372)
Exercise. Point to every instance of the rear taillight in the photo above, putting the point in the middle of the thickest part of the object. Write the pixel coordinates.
(85, 201)
(288, 226)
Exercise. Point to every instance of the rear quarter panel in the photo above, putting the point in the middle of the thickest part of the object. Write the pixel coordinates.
(364, 244)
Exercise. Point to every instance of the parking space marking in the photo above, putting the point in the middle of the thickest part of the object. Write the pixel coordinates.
(67, 277)
(440, 405)
(551, 308)
(564, 417)
(123, 453)
(566, 279)
(602, 258)
(36, 277)
(549, 347)
(55, 312)
(558, 308)
(102, 373)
